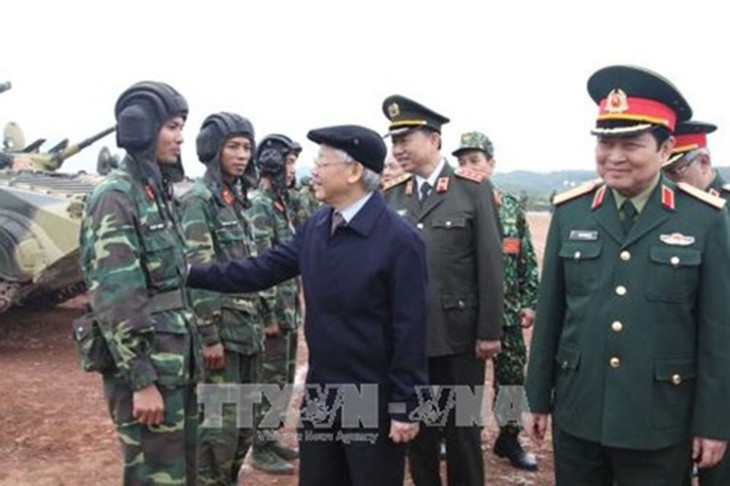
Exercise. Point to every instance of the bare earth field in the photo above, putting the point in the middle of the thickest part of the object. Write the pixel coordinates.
(54, 428)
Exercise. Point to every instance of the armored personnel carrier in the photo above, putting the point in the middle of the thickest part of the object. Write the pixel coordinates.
(40, 219)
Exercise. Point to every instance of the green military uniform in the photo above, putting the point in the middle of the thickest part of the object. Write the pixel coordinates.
(216, 230)
(520, 292)
(132, 255)
(629, 348)
(272, 225)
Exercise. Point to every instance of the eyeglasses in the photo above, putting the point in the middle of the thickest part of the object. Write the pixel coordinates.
(681, 167)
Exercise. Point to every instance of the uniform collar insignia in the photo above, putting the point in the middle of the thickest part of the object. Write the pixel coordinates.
(409, 188)
(227, 196)
(677, 239)
(667, 197)
(279, 206)
(598, 197)
(442, 184)
(150, 192)
(714, 191)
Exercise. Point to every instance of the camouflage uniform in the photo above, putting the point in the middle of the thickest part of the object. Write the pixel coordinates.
(520, 292)
(302, 204)
(132, 256)
(272, 225)
(217, 230)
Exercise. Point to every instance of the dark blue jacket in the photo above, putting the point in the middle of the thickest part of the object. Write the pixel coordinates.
(365, 289)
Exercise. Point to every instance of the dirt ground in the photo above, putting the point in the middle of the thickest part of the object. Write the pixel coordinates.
(55, 430)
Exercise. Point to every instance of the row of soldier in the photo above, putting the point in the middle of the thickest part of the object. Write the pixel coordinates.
(482, 291)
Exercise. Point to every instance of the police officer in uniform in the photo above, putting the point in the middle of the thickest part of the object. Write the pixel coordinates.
(629, 352)
(133, 259)
(455, 214)
(691, 163)
(216, 229)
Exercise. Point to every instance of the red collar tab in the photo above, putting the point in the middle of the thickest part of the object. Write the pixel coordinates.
(598, 197)
(279, 206)
(409, 188)
(227, 196)
(618, 106)
(442, 185)
(150, 192)
(667, 197)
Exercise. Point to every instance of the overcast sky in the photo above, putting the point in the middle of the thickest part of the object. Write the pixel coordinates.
(515, 70)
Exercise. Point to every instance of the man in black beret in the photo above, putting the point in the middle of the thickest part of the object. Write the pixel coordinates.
(629, 355)
(364, 275)
(454, 211)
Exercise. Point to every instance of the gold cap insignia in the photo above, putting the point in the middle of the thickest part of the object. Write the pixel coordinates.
(393, 110)
(616, 101)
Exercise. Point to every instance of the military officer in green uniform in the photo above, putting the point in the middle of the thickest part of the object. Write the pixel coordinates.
(476, 152)
(132, 254)
(455, 214)
(691, 163)
(272, 224)
(217, 230)
(630, 347)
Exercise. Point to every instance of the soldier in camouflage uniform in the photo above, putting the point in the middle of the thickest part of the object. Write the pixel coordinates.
(132, 256)
(476, 152)
(216, 230)
(272, 224)
(302, 203)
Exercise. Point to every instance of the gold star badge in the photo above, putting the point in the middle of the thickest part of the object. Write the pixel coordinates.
(393, 110)
(616, 101)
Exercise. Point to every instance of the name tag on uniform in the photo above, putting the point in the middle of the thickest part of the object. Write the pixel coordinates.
(583, 235)
(156, 227)
(511, 246)
(677, 239)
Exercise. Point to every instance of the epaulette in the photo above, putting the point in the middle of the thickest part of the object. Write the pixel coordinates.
(472, 175)
(703, 196)
(577, 191)
(398, 180)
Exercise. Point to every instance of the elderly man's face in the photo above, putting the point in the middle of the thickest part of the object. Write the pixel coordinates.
(416, 148)
(330, 175)
(629, 164)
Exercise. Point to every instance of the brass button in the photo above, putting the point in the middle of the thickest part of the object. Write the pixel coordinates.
(614, 362)
(617, 326)
(448, 224)
(565, 365)
(419, 226)
(620, 290)
(461, 304)
(676, 379)
(576, 255)
(625, 256)
(674, 261)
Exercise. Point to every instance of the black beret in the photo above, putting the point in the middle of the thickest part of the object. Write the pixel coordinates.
(360, 143)
(405, 114)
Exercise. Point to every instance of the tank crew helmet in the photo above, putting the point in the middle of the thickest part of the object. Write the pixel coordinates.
(218, 128)
(271, 161)
(142, 110)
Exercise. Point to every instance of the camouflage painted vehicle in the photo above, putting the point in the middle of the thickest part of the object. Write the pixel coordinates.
(40, 218)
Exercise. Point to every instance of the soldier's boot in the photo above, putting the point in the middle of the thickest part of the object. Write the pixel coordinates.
(264, 459)
(286, 453)
(508, 445)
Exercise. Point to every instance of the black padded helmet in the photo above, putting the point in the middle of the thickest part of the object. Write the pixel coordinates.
(141, 111)
(216, 129)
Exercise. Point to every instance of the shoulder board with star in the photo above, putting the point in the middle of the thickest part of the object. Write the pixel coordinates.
(398, 180)
(581, 190)
(703, 196)
(471, 175)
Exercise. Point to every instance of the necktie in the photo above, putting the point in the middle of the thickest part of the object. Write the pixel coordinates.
(425, 191)
(628, 215)
(337, 221)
